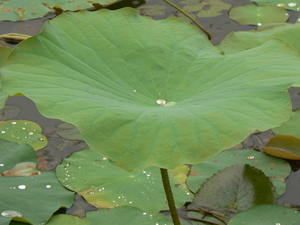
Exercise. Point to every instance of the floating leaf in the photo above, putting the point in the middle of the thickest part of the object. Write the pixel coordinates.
(291, 126)
(4, 52)
(24, 169)
(124, 215)
(288, 4)
(110, 91)
(69, 131)
(25, 10)
(284, 146)
(235, 189)
(267, 215)
(33, 198)
(276, 169)
(207, 8)
(23, 132)
(258, 15)
(107, 186)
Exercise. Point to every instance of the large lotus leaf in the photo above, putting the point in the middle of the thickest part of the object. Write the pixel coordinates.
(258, 15)
(292, 126)
(32, 198)
(110, 72)
(107, 186)
(267, 215)
(124, 215)
(288, 4)
(16, 10)
(240, 41)
(23, 132)
(236, 189)
(4, 52)
(276, 169)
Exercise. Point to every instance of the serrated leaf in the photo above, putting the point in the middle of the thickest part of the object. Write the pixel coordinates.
(236, 189)
(110, 91)
(283, 146)
(276, 169)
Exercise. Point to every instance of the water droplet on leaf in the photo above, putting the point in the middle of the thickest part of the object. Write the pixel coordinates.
(48, 186)
(11, 213)
(13, 122)
(22, 187)
(161, 102)
(292, 4)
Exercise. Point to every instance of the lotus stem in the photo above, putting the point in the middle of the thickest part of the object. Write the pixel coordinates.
(191, 18)
(169, 195)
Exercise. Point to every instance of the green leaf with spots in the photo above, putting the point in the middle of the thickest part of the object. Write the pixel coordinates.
(267, 215)
(124, 215)
(16, 10)
(23, 132)
(276, 169)
(236, 189)
(258, 15)
(114, 92)
(107, 186)
(31, 198)
(287, 4)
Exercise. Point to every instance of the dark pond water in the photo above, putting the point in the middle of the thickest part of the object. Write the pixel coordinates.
(59, 148)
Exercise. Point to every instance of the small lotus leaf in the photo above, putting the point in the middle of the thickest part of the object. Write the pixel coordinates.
(29, 198)
(107, 186)
(109, 91)
(258, 15)
(284, 146)
(209, 8)
(24, 10)
(287, 4)
(276, 169)
(124, 215)
(235, 189)
(23, 132)
(267, 215)
(291, 126)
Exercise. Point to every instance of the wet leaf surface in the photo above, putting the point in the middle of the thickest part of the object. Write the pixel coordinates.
(130, 215)
(23, 132)
(118, 96)
(258, 15)
(240, 187)
(284, 146)
(276, 169)
(33, 198)
(287, 4)
(105, 185)
(267, 215)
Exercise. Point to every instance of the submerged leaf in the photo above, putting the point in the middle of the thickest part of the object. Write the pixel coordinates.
(236, 189)
(284, 146)
(109, 91)
(258, 15)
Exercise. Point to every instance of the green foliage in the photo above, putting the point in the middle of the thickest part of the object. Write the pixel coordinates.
(288, 4)
(28, 197)
(110, 91)
(258, 15)
(291, 126)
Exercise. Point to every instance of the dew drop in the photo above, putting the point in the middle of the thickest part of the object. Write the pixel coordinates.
(23, 128)
(41, 139)
(30, 133)
(292, 4)
(104, 158)
(14, 122)
(144, 213)
(281, 5)
(250, 157)
(11, 213)
(134, 90)
(258, 24)
(3, 132)
(160, 102)
(48, 186)
(130, 202)
(277, 224)
(1, 164)
(22, 187)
